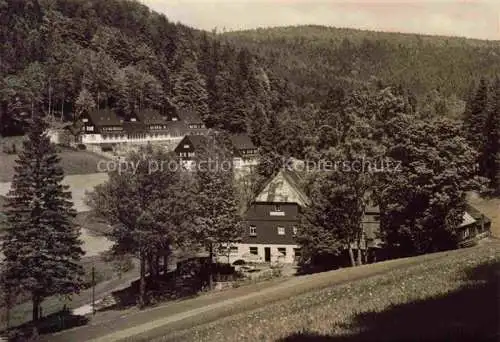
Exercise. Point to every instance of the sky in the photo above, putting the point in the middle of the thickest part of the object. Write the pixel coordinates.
(472, 19)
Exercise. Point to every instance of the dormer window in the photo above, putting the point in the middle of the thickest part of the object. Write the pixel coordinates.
(253, 231)
(277, 207)
(281, 230)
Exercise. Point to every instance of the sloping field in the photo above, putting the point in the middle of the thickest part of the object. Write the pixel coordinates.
(322, 303)
(73, 163)
(78, 185)
(450, 298)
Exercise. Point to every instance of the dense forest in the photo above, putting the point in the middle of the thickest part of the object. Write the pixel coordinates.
(66, 56)
(315, 58)
(281, 85)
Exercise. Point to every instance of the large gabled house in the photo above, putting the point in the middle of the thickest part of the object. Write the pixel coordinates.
(190, 145)
(105, 128)
(192, 121)
(245, 152)
(271, 222)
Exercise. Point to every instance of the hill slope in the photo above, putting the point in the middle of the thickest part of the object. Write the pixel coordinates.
(315, 57)
(431, 300)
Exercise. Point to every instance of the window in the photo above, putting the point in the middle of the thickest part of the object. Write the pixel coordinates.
(253, 231)
(376, 218)
(281, 230)
(297, 252)
(282, 251)
(233, 250)
(277, 207)
(254, 250)
(295, 230)
(466, 233)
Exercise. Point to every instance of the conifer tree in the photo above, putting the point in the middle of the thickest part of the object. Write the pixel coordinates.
(41, 245)
(492, 146)
(475, 122)
(189, 90)
(270, 161)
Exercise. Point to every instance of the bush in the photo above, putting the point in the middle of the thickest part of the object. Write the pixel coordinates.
(81, 147)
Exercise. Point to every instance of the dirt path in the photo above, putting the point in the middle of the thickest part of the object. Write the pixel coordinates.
(144, 325)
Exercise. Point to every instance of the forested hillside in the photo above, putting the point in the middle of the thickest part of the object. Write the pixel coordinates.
(281, 85)
(65, 56)
(315, 58)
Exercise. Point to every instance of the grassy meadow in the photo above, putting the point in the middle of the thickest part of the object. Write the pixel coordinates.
(454, 297)
(73, 162)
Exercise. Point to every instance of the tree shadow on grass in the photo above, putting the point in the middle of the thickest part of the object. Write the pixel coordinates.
(50, 324)
(471, 313)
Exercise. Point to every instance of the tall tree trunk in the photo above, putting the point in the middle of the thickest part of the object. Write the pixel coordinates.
(50, 99)
(62, 110)
(351, 255)
(142, 285)
(210, 268)
(359, 260)
(35, 315)
(165, 264)
(156, 262)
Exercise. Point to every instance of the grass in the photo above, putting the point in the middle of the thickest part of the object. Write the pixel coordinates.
(21, 313)
(435, 299)
(73, 162)
(93, 224)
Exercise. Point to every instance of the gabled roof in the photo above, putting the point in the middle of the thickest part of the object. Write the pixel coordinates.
(177, 126)
(150, 117)
(134, 127)
(104, 117)
(284, 188)
(476, 214)
(197, 141)
(242, 142)
(467, 220)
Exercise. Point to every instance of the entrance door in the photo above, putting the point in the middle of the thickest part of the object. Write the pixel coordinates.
(267, 254)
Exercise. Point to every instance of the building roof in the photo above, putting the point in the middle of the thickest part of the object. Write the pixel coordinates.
(467, 220)
(150, 117)
(284, 188)
(135, 127)
(104, 117)
(177, 126)
(242, 142)
(198, 141)
(476, 214)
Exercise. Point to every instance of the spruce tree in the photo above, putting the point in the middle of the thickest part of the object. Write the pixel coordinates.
(189, 90)
(476, 121)
(41, 243)
(492, 146)
(270, 160)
